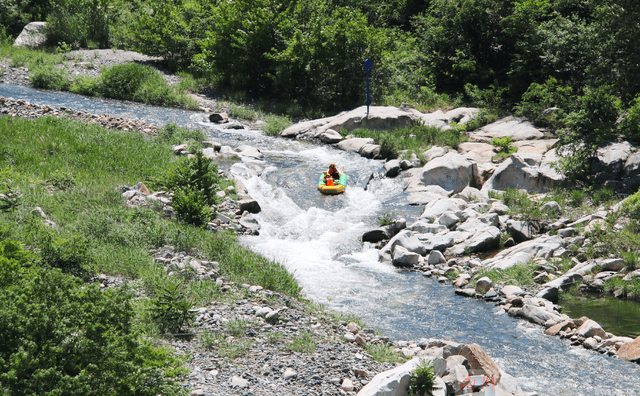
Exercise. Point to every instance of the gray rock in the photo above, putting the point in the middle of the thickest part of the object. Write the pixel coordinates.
(517, 129)
(521, 230)
(249, 205)
(392, 168)
(435, 209)
(552, 207)
(591, 328)
(483, 285)
(407, 240)
(33, 35)
(219, 118)
(377, 235)
(614, 264)
(370, 151)
(448, 219)
(516, 173)
(289, 373)
(435, 257)
(404, 258)
(538, 315)
(611, 159)
(452, 172)
(394, 382)
(354, 144)
(434, 152)
(239, 382)
(330, 136)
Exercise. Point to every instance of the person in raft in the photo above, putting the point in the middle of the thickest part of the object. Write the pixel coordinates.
(333, 172)
(328, 180)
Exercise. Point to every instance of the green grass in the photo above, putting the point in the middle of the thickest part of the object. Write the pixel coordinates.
(504, 147)
(384, 353)
(415, 139)
(426, 100)
(519, 275)
(630, 290)
(303, 343)
(275, 124)
(48, 153)
(29, 58)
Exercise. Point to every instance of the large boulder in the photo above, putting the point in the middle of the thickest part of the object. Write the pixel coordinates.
(452, 172)
(33, 35)
(611, 159)
(395, 382)
(541, 247)
(480, 363)
(436, 208)
(407, 240)
(516, 172)
(591, 328)
(354, 144)
(517, 129)
(630, 351)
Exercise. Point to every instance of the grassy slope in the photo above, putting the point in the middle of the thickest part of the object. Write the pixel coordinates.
(89, 164)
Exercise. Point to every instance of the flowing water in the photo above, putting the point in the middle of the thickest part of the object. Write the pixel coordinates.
(317, 238)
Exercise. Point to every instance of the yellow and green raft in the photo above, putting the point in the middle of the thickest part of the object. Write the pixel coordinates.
(337, 188)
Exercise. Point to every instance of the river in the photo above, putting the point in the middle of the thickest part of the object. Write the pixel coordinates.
(317, 238)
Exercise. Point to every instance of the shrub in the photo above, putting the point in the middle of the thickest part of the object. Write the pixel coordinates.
(576, 197)
(83, 342)
(61, 180)
(50, 77)
(386, 219)
(631, 206)
(503, 147)
(170, 307)
(14, 262)
(69, 254)
(199, 174)
(191, 207)
(86, 86)
(422, 379)
(540, 97)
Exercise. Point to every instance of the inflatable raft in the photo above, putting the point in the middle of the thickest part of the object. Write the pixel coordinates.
(337, 188)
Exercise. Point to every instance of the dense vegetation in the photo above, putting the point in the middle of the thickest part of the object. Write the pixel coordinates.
(305, 58)
(77, 338)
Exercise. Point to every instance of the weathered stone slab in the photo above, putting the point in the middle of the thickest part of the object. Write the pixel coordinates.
(517, 129)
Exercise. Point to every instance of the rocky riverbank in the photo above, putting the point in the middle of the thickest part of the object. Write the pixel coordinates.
(257, 342)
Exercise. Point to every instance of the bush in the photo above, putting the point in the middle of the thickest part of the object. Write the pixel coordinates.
(191, 207)
(196, 174)
(503, 147)
(170, 307)
(540, 97)
(141, 83)
(275, 124)
(173, 134)
(70, 254)
(82, 341)
(631, 207)
(422, 379)
(51, 77)
(86, 86)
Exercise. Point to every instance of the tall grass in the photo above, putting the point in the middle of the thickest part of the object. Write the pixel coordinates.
(45, 154)
(415, 139)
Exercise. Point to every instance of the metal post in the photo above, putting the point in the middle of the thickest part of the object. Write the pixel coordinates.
(367, 67)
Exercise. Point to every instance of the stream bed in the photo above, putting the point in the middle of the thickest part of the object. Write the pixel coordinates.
(317, 238)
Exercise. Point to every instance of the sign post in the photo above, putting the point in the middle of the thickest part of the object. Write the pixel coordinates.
(367, 67)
